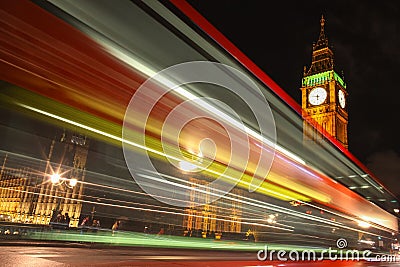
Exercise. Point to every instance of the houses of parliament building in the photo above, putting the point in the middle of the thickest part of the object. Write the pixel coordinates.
(34, 191)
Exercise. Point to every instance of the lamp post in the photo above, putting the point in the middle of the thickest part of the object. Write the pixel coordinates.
(64, 184)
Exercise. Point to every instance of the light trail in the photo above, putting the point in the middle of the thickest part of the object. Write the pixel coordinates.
(247, 201)
(113, 188)
(234, 197)
(119, 139)
(128, 59)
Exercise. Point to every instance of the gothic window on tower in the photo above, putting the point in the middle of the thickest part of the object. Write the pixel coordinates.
(340, 131)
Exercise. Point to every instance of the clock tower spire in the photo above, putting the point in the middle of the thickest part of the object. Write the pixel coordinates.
(324, 95)
(322, 55)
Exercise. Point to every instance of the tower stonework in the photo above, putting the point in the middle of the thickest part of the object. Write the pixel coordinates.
(68, 157)
(27, 193)
(324, 96)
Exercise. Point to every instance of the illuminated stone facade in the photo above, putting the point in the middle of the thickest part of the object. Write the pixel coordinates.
(26, 191)
(222, 215)
(324, 96)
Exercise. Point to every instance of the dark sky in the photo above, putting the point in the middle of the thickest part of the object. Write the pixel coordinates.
(365, 39)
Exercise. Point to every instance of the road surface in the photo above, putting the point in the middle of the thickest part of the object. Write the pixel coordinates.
(73, 254)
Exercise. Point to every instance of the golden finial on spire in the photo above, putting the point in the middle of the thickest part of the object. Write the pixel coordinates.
(322, 32)
(322, 21)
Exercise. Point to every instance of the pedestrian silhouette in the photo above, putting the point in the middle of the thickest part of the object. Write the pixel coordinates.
(115, 227)
(161, 232)
(67, 220)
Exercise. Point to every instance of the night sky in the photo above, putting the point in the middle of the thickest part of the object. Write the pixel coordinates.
(365, 39)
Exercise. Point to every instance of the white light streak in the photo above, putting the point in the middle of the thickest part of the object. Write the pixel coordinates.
(168, 83)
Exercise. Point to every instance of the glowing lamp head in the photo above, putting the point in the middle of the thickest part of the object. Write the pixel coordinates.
(73, 182)
(55, 178)
(271, 218)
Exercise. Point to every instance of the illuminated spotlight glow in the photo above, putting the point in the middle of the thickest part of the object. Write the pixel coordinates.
(271, 220)
(73, 182)
(55, 178)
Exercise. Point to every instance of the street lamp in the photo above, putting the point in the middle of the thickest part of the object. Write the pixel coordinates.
(55, 178)
(73, 182)
(64, 184)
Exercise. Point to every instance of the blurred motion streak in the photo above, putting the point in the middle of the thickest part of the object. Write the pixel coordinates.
(76, 81)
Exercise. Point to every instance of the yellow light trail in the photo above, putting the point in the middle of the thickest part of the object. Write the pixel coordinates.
(266, 188)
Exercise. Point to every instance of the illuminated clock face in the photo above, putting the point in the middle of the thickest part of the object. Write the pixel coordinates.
(317, 96)
(342, 99)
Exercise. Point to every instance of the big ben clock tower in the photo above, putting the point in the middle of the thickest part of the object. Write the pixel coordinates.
(324, 96)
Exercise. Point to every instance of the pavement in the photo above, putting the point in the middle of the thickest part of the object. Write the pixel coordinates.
(44, 243)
